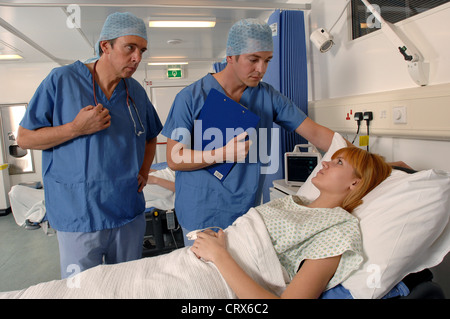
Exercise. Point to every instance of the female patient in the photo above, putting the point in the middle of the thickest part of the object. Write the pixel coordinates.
(318, 244)
(342, 182)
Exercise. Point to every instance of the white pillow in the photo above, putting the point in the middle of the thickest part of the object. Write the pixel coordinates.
(310, 191)
(405, 228)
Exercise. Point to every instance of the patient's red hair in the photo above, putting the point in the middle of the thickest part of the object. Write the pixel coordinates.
(370, 168)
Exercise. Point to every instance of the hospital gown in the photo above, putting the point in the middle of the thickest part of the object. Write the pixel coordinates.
(299, 233)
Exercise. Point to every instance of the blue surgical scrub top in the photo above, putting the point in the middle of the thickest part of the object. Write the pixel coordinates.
(201, 199)
(91, 181)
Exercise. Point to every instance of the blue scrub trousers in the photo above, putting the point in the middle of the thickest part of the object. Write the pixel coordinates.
(79, 251)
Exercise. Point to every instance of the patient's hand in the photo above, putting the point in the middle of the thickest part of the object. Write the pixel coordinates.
(209, 245)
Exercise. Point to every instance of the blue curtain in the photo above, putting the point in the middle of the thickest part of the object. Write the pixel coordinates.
(287, 72)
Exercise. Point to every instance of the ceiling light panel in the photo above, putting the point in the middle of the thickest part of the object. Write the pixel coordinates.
(10, 57)
(182, 22)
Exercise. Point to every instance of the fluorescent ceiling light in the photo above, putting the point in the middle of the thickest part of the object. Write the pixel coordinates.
(10, 57)
(167, 63)
(182, 22)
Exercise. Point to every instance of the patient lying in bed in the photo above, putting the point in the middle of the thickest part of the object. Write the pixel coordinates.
(268, 252)
(318, 243)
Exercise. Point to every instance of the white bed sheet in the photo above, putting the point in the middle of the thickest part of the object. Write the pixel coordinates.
(176, 275)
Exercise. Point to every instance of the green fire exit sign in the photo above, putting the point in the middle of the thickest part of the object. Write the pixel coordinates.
(174, 72)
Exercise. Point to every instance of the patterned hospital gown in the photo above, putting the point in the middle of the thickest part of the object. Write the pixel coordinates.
(299, 232)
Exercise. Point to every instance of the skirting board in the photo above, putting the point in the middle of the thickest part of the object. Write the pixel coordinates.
(427, 112)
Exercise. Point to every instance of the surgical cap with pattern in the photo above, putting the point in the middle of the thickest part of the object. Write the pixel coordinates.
(249, 36)
(118, 25)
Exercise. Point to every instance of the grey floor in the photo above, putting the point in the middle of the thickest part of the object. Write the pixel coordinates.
(27, 257)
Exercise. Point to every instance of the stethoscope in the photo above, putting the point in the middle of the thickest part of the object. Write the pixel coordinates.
(138, 133)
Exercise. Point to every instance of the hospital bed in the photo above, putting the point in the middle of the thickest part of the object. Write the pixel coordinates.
(420, 284)
(405, 229)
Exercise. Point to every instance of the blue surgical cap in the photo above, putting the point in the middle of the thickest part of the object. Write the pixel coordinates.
(249, 36)
(118, 25)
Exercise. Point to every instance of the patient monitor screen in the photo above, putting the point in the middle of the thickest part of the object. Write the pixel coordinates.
(300, 167)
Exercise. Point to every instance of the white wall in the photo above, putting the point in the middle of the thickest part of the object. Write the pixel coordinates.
(18, 83)
(371, 64)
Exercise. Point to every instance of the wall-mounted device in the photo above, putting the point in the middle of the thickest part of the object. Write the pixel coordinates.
(19, 160)
(322, 39)
(299, 165)
(417, 67)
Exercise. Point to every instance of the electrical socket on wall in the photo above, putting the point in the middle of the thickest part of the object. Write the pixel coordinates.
(399, 115)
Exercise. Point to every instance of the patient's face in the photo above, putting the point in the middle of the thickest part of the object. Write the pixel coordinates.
(336, 176)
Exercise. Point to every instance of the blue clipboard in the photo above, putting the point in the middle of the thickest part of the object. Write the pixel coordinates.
(219, 113)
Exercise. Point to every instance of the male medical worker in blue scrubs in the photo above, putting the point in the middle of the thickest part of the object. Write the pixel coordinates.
(201, 199)
(97, 129)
